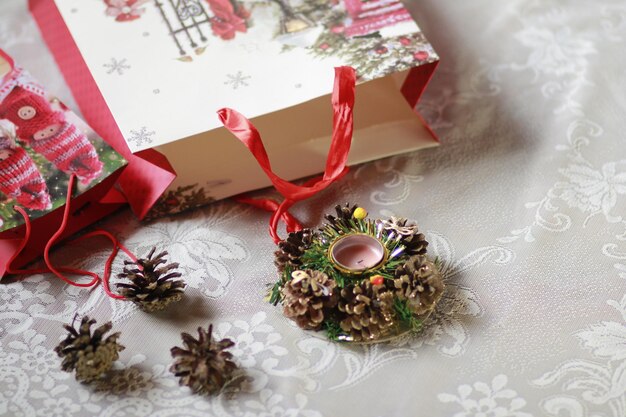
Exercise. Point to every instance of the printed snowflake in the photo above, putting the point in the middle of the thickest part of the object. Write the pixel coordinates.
(117, 66)
(250, 47)
(140, 137)
(237, 80)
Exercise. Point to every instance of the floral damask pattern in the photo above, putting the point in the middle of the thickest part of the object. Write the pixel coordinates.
(16, 296)
(555, 51)
(601, 383)
(594, 191)
(487, 400)
(525, 204)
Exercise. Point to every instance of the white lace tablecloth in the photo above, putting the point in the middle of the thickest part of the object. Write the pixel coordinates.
(524, 202)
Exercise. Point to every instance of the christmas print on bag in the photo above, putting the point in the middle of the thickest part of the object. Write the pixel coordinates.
(41, 145)
(373, 36)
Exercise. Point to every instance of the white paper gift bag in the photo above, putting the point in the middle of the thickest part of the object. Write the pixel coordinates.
(156, 72)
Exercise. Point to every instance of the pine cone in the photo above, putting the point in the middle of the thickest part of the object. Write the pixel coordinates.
(203, 365)
(306, 296)
(419, 281)
(291, 249)
(343, 219)
(90, 355)
(414, 242)
(152, 286)
(369, 312)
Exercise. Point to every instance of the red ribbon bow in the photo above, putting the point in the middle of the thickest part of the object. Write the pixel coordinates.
(242, 128)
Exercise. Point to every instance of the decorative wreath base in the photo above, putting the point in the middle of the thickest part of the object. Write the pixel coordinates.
(360, 280)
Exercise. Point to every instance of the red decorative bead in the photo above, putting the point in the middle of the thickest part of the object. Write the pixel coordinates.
(377, 280)
(381, 49)
(405, 41)
(324, 46)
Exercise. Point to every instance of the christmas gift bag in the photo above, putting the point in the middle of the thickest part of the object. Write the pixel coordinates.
(56, 174)
(153, 73)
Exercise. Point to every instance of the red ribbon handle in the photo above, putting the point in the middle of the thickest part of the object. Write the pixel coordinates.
(59, 271)
(343, 104)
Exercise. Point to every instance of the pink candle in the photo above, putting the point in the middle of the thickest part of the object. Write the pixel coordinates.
(357, 253)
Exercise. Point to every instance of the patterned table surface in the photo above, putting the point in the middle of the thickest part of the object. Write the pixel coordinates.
(524, 202)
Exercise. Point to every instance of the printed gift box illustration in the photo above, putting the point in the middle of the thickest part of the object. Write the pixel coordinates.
(155, 72)
(43, 144)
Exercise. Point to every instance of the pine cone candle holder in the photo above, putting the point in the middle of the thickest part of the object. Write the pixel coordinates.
(203, 365)
(154, 284)
(361, 280)
(89, 354)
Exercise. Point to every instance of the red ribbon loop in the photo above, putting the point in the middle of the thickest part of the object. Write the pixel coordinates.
(343, 104)
(292, 224)
(59, 271)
